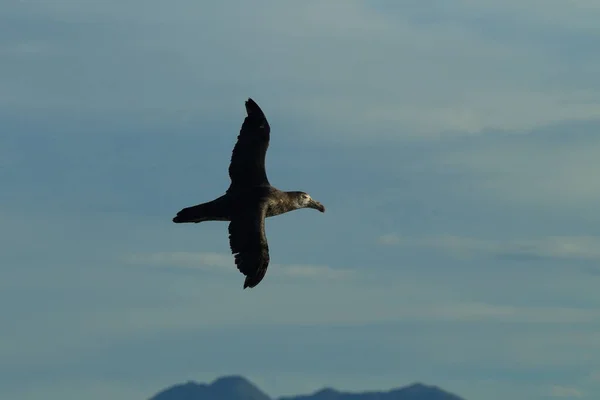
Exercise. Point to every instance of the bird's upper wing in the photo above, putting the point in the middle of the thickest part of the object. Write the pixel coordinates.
(247, 167)
(248, 243)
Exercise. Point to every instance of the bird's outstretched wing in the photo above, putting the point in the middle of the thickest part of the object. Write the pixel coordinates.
(247, 167)
(248, 243)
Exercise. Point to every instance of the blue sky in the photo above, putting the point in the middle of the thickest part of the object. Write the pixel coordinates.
(454, 144)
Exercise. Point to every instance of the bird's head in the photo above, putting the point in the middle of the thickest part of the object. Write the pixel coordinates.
(305, 201)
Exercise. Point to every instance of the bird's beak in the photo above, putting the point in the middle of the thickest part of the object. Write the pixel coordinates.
(317, 206)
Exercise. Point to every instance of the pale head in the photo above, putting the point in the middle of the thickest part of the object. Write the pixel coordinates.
(305, 201)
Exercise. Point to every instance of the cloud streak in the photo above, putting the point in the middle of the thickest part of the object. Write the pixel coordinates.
(384, 99)
(216, 262)
(565, 392)
(565, 247)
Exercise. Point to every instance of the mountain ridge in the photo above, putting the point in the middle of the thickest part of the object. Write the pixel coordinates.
(237, 387)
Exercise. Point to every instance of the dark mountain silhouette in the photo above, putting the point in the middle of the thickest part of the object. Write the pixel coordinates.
(239, 388)
(225, 388)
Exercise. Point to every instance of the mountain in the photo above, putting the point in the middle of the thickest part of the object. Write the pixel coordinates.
(225, 388)
(416, 391)
(239, 388)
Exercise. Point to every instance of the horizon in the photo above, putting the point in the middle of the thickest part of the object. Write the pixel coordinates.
(454, 146)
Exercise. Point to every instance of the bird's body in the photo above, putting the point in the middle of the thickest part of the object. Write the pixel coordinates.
(250, 199)
(222, 208)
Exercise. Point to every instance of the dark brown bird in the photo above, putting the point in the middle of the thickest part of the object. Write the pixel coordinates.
(249, 199)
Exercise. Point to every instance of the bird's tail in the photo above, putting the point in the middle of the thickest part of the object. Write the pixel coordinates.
(215, 210)
(190, 214)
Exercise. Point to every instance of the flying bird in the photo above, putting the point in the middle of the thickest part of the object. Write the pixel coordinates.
(249, 199)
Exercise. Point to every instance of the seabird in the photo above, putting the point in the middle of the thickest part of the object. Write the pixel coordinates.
(249, 199)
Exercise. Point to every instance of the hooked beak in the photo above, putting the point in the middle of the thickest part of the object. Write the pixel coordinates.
(317, 206)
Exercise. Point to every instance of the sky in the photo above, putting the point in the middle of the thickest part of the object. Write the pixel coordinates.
(454, 144)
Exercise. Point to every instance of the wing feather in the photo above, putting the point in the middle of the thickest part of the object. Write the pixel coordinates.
(247, 166)
(249, 245)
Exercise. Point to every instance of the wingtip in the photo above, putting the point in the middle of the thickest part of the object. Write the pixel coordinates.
(252, 107)
(247, 283)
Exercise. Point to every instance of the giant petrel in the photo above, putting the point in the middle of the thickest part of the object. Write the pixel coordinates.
(249, 199)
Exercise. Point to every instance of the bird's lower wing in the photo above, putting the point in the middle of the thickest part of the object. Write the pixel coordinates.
(249, 245)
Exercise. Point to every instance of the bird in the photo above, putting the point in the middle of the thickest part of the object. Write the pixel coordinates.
(250, 199)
